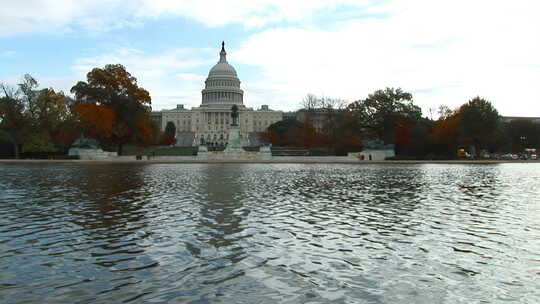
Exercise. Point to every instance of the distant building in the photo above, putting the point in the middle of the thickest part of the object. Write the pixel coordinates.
(209, 123)
(319, 118)
(535, 120)
(289, 115)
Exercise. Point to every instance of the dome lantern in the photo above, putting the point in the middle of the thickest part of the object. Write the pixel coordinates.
(223, 54)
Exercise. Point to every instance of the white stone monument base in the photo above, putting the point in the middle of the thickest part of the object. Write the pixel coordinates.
(91, 154)
(372, 155)
(234, 150)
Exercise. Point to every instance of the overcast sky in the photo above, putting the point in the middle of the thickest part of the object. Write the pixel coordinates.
(443, 52)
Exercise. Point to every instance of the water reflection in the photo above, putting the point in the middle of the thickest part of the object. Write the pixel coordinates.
(110, 200)
(223, 210)
(269, 233)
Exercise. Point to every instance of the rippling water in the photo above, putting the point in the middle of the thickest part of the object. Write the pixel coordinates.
(248, 233)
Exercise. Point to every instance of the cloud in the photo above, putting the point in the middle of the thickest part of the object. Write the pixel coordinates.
(180, 58)
(66, 16)
(254, 13)
(191, 77)
(445, 53)
(167, 75)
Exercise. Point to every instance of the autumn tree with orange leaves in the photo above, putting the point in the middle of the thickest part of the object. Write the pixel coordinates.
(97, 121)
(113, 88)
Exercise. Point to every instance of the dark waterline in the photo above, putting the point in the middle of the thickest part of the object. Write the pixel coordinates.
(269, 233)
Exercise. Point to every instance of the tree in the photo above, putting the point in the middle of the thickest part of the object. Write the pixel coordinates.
(28, 114)
(383, 111)
(39, 142)
(415, 139)
(144, 127)
(325, 113)
(475, 124)
(328, 106)
(170, 129)
(169, 135)
(50, 115)
(6, 147)
(311, 102)
(444, 111)
(283, 132)
(343, 133)
(448, 135)
(333, 111)
(97, 121)
(156, 133)
(293, 133)
(479, 121)
(306, 136)
(271, 137)
(113, 87)
(27, 88)
(13, 119)
(68, 131)
(48, 109)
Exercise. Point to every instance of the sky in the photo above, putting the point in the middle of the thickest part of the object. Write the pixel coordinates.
(443, 52)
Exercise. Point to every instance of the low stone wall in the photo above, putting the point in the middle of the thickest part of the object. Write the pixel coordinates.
(298, 160)
(315, 159)
(96, 155)
(171, 158)
(131, 158)
(233, 155)
(264, 156)
(239, 157)
(372, 155)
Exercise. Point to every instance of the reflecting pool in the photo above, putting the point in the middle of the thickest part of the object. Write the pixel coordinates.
(269, 233)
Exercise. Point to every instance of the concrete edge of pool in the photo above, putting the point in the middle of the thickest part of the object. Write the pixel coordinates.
(297, 160)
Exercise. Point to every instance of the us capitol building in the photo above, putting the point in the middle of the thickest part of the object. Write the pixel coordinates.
(209, 123)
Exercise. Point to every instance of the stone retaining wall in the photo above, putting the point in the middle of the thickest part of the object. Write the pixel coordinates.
(247, 157)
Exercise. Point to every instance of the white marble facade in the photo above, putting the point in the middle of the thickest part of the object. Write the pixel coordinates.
(210, 122)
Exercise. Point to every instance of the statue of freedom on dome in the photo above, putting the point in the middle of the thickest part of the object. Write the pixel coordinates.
(234, 115)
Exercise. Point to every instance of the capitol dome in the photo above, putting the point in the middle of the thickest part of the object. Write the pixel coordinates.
(222, 69)
(222, 87)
